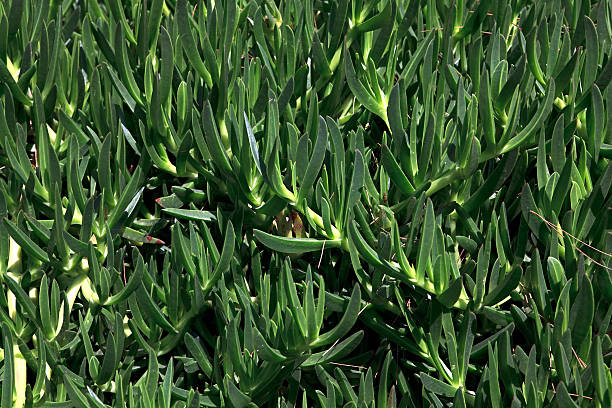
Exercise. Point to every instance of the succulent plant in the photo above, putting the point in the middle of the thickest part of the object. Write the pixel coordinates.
(402, 203)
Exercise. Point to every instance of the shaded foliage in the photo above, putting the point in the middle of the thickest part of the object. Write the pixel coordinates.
(305, 203)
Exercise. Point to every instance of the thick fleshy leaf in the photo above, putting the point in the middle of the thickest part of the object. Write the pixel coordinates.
(294, 245)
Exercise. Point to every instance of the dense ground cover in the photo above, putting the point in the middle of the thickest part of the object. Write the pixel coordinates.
(305, 203)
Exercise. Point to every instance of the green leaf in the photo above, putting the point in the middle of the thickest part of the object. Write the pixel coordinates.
(493, 182)
(503, 288)
(600, 372)
(527, 207)
(394, 111)
(336, 352)
(194, 215)
(77, 398)
(395, 172)
(264, 350)
(562, 397)
(237, 397)
(167, 384)
(226, 256)
(189, 45)
(592, 53)
(452, 293)
(199, 354)
(213, 140)
(44, 309)
(356, 180)
(41, 375)
(131, 194)
(361, 93)
(167, 63)
(557, 147)
(104, 170)
(123, 91)
(315, 162)
(181, 250)
(261, 166)
(485, 106)
(31, 248)
(130, 287)
(426, 241)
(411, 68)
(152, 374)
(107, 369)
(426, 150)
(361, 247)
(346, 323)
(262, 46)
(436, 386)
(183, 153)
(295, 245)
(7, 78)
(318, 56)
(8, 377)
(494, 377)
(542, 174)
(459, 400)
(553, 50)
(536, 121)
(595, 122)
(581, 313)
(295, 306)
(562, 187)
(384, 399)
(154, 19)
(151, 310)
(309, 308)
(510, 89)
(122, 60)
(532, 57)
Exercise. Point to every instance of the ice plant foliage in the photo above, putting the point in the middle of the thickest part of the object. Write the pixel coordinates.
(352, 203)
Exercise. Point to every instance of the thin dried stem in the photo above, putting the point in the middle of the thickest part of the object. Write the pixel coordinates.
(562, 232)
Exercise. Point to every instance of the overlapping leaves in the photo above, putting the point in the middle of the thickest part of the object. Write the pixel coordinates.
(248, 203)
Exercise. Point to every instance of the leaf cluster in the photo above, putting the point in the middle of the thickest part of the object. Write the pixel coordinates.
(357, 203)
